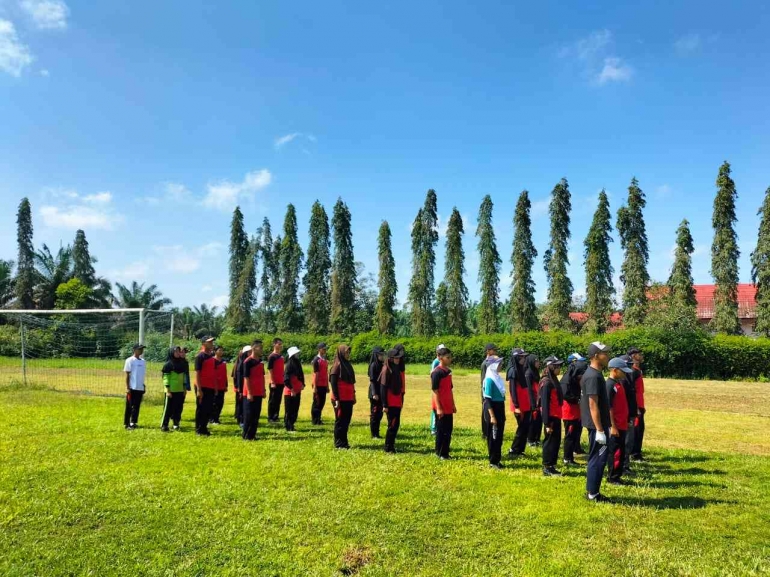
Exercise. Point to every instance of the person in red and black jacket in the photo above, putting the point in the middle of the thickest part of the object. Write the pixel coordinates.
(342, 379)
(253, 372)
(320, 384)
(443, 402)
(205, 385)
(294, 382)
(638, 357)
(629, 385)
(551, 400)
(570, 409)
(392, 396)
(532, 375)
(276, 366)
(220, 368)
(616, 392)
(376, 364)
(522, 400)
(237, 376)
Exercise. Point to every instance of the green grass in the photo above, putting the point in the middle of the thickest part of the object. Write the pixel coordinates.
(79, 495)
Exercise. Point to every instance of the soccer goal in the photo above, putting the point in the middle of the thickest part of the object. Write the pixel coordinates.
(81, 351)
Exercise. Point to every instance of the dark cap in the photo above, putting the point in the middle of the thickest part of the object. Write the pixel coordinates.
(321, 346)
(138, 346)
(553, 362)
(633, 351)
(207, 340)
(620, 363)
(395, 353)
(596, 348)
(490, 347)
(518, 353)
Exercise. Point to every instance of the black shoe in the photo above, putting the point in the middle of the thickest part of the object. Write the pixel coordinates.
(580, 451)
(628, 472)
(203, 433)
(497, 466)
(616, 482)
(551, 472)
(513, 454)
(164, 429)
(445, 457)
(176, 428)
(571, 463)
(599, 499)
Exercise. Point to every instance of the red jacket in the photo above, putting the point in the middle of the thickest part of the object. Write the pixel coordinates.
(220, 369)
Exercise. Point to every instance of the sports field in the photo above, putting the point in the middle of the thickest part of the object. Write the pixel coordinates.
(80, 495)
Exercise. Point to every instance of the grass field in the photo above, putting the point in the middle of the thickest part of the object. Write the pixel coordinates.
(79, 495)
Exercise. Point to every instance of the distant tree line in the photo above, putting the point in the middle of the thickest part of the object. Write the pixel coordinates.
(276, 287)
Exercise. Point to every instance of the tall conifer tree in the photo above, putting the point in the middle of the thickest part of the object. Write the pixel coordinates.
(289, 314)
(343, 304)
(386, 283)
(489, 270)
(424, 239)
(267, 279)
(633, 271)
(760, 268)
(556, 259)
(25, 264)
(522, 303)
(724, 255)
(454, 270)
(317, 300)
(680, 282)
(599, 287)
(239, 254)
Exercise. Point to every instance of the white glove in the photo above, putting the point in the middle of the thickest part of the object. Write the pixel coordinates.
(601, 438)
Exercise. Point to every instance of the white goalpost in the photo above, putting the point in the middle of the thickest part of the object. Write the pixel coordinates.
(81, 350)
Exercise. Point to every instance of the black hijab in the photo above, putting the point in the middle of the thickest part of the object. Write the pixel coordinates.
(390, 376)
(570, 385)
(515, 370)
(402, 351)
(341, 366)
(375, 364)
(294, 369)
(174, 364)
(532, 367)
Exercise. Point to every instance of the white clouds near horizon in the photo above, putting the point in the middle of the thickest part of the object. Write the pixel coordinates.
(225, 195)
(46, 14)
(15, 56)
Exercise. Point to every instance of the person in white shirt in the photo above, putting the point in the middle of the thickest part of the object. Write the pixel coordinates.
(135, 370)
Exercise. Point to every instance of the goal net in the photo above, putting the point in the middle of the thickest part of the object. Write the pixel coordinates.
(81, 351)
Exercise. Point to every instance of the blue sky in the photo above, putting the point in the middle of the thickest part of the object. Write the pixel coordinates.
(144, 123)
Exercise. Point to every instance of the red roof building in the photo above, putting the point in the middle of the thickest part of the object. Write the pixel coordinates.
(747, 304)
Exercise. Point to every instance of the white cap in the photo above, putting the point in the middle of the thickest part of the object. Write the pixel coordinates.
(293, 351)
(246, 349)
(441, 346)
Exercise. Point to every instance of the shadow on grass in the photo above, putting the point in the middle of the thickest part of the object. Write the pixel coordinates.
(680, 484)
(669, 502)
(676, 471)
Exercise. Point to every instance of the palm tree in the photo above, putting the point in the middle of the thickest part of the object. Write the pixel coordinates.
(52, 270)
(6, 282)
(138, 297)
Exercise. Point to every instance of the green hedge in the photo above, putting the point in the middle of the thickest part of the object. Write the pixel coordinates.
(667, 354)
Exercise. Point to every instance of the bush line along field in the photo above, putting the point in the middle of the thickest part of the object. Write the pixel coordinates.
(687, 355)
(80, 495)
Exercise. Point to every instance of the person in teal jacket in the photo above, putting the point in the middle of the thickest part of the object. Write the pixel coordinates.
(173, 373)
(494, 410)
(436, 363)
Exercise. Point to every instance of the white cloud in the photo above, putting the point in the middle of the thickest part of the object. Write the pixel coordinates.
(14, 56)
(175, 258)
(594, 54)
(224, 195)
(76, 217)
(137, 271)
(99, 198)
(93, 211)
(282, 141)
(44, 72)
(614, 70)
(210, 249)
(220, 301)
(46, 14)
(286, 139)
(207, 288)
(687, 44)
(177, 192)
